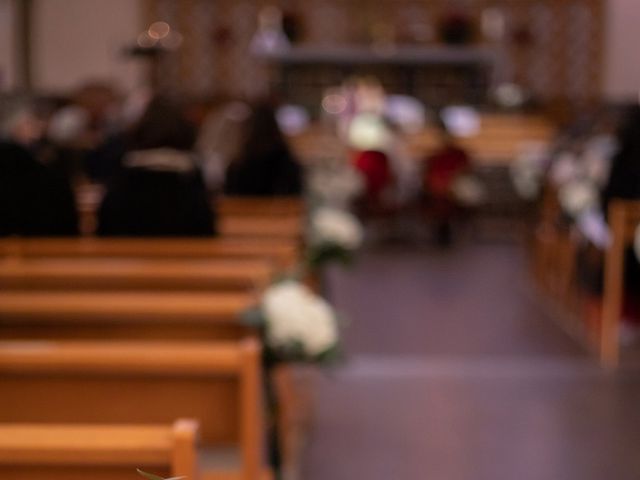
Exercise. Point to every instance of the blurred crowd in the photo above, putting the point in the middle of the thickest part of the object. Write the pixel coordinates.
(159, 161)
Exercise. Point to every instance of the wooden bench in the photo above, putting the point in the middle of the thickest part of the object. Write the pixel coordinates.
(257, 226)
(281, 252)
(229, 206)
(624, 218)
(217, 383)
(134, 274)
(97, 452)
(237, 216)
(122, 315)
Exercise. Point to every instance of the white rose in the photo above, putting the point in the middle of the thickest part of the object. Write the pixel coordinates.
(337, 187)
(368, 131)
(294, 314)
(320, 329)
(578, 196)
(527, 171)
(335, 226)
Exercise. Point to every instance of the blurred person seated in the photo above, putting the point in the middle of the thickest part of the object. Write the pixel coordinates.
(624, 182)
(441, 169)
(159, 191)
(35, 200)
(81, 128)
(265, 166)
(371, 140)
(621, 181)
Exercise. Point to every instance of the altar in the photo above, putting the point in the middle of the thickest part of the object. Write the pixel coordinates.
(437, 75)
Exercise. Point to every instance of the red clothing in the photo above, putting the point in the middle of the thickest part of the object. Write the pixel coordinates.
(442, 168)
(376, 171)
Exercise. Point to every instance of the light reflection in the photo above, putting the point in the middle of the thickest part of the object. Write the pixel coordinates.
(334, 104)
(159, 30)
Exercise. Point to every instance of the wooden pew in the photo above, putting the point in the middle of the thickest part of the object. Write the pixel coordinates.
(145, 383)
(282, 252)
(134, 274)
(97, 452)
(258, 226)
(624, 217)
(122, 315)
(229, 206)
(237, 216)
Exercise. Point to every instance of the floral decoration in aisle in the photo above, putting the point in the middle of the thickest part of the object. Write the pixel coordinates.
(578, 196)
(335, 235)
(528, 169)
(335, 185)
(297, 324)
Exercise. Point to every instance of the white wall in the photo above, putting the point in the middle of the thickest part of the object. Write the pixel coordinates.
(79, 40)
(7, 45)
(622, 53)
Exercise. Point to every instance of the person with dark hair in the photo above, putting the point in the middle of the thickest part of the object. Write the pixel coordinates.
(34, 199)
(160, 190)
(265, 166)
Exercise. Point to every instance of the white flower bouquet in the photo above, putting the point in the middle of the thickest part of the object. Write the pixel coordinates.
(298, 325)
(335, 235)
(528, 169)
(578, 196)
(336, 186)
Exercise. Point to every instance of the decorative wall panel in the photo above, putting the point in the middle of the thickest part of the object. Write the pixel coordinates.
(553, 47)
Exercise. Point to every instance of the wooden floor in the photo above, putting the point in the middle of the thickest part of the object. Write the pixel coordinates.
(456, 372)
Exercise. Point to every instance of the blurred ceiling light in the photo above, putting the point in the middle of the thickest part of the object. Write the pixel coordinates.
(145, 41)
(334, 104)
(159, 30)
(461, 120)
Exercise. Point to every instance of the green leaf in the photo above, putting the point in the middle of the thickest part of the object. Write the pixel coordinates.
(328, 252)
(151, 476)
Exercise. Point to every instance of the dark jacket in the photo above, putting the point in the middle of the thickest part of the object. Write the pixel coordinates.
(274, 173)
(156, 201)
(34, 200)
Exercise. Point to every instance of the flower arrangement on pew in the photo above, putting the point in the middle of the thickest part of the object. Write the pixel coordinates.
(298, 325)
(335, 235)
(335, 185)
(578, 175)
(579, 180)
(528, 170)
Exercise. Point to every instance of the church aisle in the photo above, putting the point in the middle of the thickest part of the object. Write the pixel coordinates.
(455, 373)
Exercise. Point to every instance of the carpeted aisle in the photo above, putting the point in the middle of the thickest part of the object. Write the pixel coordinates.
(456, 373)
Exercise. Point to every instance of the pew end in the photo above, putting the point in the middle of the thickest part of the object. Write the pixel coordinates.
(218, 383)
(102, 452)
